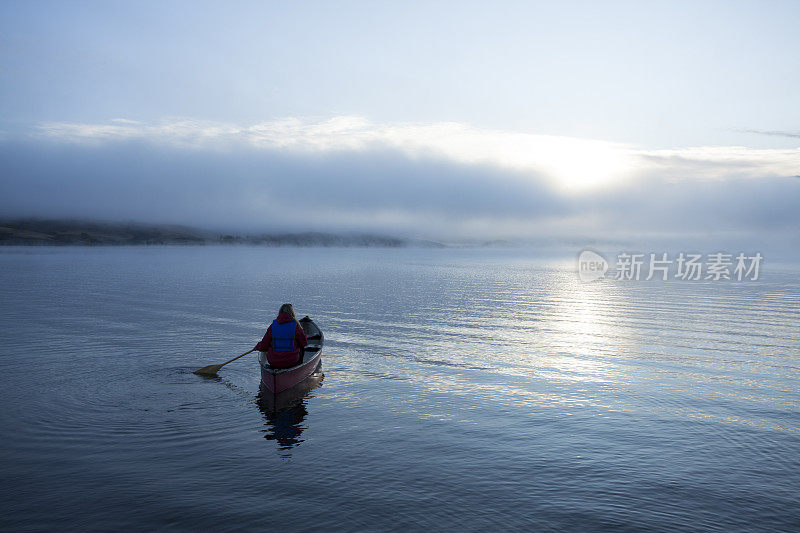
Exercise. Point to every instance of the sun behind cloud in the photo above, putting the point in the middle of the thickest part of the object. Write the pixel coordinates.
(570, 165)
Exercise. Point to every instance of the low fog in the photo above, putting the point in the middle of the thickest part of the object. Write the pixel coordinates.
(378, 187)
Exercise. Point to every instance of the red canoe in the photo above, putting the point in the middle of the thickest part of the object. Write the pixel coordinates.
(279, 379)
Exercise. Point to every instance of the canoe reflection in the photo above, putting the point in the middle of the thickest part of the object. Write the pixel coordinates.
(284, 412)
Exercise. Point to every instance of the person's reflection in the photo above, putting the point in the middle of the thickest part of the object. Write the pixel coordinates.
(284, 413)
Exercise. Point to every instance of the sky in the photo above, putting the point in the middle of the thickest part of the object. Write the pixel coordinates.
(447, 120)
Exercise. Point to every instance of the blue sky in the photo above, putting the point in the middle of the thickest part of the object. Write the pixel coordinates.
(662, 74)
(583, 98)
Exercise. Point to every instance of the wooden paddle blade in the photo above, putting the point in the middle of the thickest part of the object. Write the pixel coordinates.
(210, 370)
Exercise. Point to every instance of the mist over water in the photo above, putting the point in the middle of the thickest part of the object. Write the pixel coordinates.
(439, 168)
(741, 196)
(462, 389)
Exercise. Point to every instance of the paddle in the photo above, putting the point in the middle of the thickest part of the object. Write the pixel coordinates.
(211, 370)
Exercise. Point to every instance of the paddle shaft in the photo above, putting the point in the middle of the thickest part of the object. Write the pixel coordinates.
(237, 357)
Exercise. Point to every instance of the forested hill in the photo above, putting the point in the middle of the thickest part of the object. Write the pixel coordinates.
(87, 233)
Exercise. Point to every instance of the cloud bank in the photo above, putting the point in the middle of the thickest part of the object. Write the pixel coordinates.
(432, 180)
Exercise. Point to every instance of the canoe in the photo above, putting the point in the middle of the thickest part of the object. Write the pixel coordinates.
(279, 379)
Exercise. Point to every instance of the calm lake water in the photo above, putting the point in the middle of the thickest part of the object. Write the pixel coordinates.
(463, 390)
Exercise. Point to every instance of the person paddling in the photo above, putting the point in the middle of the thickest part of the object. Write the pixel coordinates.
(284, 340)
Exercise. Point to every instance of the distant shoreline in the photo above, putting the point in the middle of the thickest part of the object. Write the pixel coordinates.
(37, 232)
